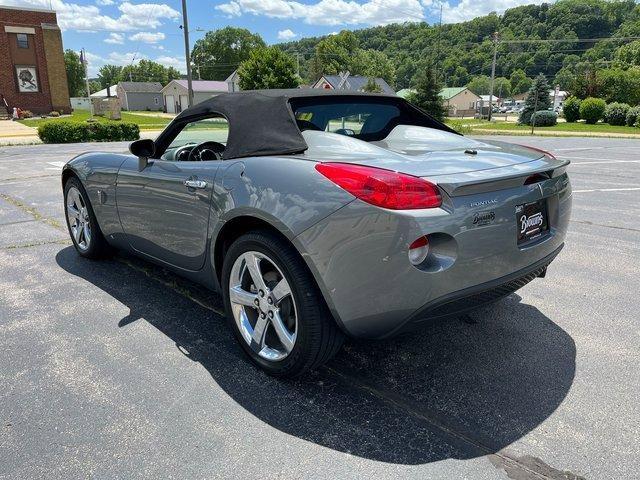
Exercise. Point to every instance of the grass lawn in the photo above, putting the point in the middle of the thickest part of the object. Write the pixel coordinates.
(466, 121)
(145, 122)
(578, 128)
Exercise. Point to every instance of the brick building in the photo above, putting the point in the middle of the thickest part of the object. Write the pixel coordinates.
(32, 72)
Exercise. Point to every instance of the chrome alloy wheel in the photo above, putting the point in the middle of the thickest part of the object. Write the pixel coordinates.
(78, 218)
(263, 306)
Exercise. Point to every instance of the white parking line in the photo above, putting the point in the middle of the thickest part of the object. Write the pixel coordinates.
(57, 164)
(575, 149)
(598, 161)
(608, 190)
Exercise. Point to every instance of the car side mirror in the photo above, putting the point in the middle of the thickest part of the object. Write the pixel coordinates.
(143, 149)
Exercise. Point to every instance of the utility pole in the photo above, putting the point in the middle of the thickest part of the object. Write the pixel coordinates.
(85, 64)
(493, 72)
(438, 69)
(187, 53)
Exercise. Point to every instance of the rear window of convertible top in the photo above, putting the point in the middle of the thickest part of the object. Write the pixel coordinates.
(367, 119)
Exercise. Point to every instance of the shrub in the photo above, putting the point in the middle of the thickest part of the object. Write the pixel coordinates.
(544, 118)
(616, 113)
(571, 109)
(592, 109)
(75, 132)
(54, 114)
(633, 115)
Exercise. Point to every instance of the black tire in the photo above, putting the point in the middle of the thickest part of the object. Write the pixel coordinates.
(318, 338)
(98, 246)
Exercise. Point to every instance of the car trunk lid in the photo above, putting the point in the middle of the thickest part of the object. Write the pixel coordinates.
(459, 165)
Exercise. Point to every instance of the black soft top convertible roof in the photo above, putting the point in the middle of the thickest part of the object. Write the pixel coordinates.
(261, 122)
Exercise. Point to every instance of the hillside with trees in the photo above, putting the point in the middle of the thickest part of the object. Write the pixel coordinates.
(461, 53)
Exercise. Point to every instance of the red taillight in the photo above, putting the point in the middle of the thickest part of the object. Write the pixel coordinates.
(383, 188)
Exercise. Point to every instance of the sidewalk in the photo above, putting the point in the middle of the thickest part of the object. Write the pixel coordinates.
(9, 128)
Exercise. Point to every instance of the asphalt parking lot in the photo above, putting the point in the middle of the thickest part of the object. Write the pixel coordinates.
(119, 369)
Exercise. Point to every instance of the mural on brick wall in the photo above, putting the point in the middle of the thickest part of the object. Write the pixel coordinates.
(27, 80)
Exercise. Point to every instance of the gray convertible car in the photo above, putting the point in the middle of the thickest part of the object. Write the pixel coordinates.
(323, 214)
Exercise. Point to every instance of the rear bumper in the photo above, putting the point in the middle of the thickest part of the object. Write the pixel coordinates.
(469, 299)
(359, 256)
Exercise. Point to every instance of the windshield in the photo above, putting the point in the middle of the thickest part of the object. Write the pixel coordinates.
(205, 130)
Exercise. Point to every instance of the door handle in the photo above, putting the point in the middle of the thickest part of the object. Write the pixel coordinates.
(195, 183)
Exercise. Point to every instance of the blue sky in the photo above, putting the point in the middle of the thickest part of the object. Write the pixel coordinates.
(124, 31)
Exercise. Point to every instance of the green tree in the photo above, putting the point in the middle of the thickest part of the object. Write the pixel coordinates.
(629, 54)
(502, 87)
(519, 81)
(427, 94)
(220, 52)
(268, 67)
(538, 99)
(94, 86)
(75, 74)
(480, 85)
(371, 86)
(371, 63)
(334, 54)
(148, 71)
(109, 75)
(618, 85)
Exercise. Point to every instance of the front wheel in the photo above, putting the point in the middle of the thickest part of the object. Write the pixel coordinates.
(275, 308)
(81, 221)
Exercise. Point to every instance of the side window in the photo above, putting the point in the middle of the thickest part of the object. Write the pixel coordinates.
(211, 133)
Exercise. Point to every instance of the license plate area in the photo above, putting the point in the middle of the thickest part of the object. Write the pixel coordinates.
(532, 221)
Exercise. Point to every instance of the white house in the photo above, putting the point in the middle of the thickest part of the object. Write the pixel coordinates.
(346, 81)
(103, 93)
(176, 96)
(233, 82)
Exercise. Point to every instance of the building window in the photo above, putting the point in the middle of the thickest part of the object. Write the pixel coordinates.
(155, 100)
(23, 40)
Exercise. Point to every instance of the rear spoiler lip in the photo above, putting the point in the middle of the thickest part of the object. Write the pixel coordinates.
(498, 178)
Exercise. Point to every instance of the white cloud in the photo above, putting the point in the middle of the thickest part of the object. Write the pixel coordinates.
(286, 34)
(105, 2)
(147, 37)
(114, 58)
(179, 63)
(73, 16)
(115, 38)
(369, 12)
(468, 9)
(331, 12)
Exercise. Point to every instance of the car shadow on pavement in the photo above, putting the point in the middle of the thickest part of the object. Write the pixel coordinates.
(452, 389)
